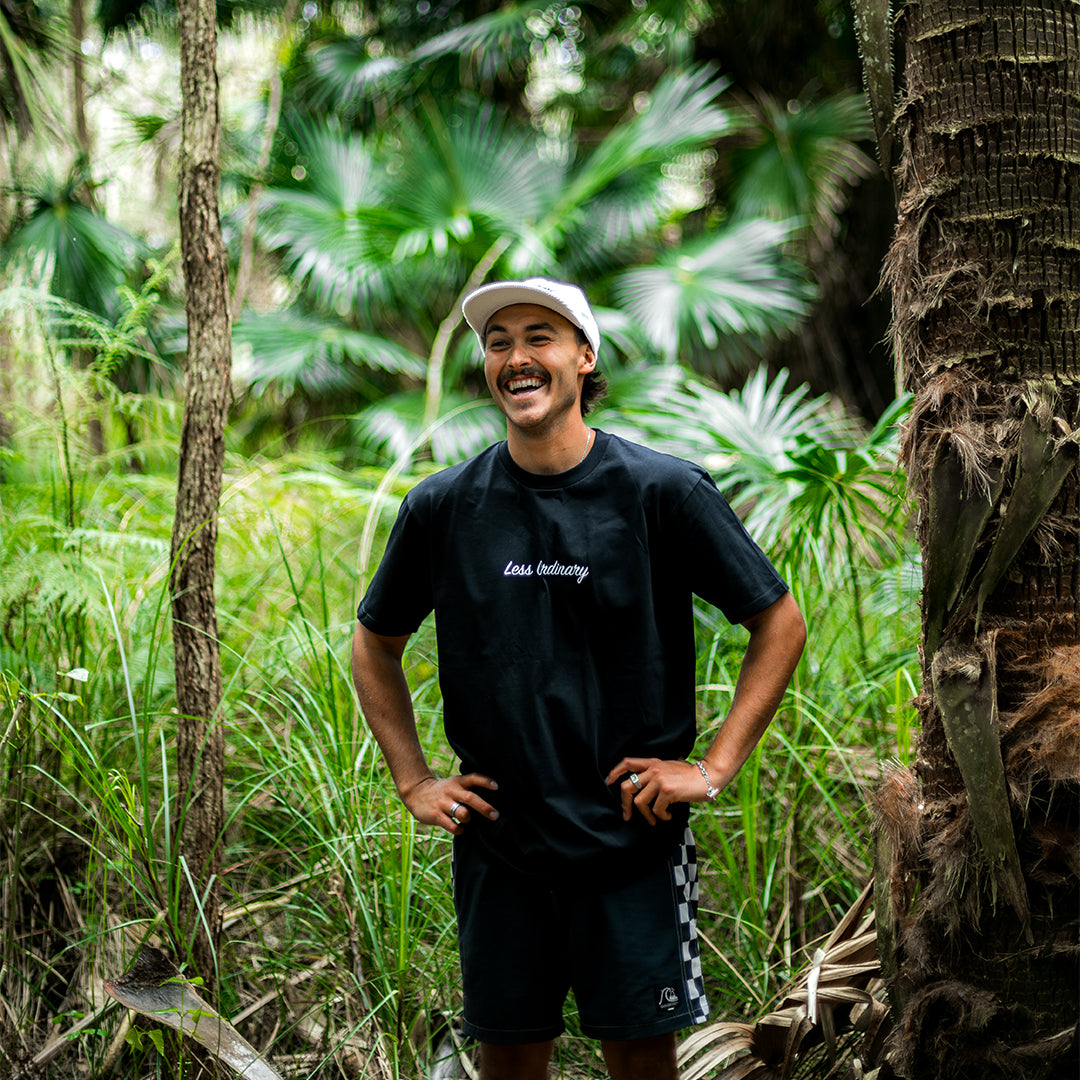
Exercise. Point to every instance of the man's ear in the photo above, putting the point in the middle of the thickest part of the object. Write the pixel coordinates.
(588, 361)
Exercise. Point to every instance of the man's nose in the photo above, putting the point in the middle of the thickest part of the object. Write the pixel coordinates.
(519, 354)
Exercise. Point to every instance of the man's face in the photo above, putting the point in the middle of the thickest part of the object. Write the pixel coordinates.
(535, 365)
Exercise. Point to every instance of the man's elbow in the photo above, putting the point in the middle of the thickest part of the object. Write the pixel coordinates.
(795, 629)
(783, 623)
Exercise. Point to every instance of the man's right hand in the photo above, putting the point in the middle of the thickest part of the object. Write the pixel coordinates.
(435, 801)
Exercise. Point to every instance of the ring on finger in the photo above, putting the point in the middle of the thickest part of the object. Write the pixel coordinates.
(453, 813)
(635, 781)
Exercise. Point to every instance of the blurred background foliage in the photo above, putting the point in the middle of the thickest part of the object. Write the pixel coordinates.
(704, 169)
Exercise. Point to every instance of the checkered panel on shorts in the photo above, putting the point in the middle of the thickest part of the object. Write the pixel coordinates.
(685, 878)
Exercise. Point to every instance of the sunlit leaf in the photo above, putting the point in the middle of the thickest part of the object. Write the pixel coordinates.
(290, 351)
(717, 295)
(463, 169)
(395, 426)
(343, 72)
(681, 112)
(493, 42)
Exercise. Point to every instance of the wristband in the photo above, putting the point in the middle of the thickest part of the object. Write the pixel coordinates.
(710, 791)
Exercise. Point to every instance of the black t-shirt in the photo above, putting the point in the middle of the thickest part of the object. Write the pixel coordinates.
(563, 612)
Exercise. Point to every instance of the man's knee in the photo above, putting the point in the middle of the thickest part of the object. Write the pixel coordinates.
(652, 1058)
(517, 1061)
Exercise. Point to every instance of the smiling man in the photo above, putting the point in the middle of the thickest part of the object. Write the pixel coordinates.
(561, 566)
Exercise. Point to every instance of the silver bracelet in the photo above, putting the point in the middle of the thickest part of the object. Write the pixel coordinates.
(710, 791)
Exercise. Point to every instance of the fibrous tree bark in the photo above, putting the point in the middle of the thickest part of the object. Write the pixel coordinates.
(200, 740)
(978, 905)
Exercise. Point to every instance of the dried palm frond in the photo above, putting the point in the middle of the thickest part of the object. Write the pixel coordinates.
(839, 993)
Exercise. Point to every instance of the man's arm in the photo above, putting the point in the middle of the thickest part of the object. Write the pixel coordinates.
(777, 637)
(386, 704)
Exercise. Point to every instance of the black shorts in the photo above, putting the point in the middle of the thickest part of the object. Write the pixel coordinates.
(629, 953)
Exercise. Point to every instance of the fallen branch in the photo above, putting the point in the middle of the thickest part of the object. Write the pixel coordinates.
(155, 988)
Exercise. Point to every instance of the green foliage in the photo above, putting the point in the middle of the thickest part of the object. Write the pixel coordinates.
(718, 298)
(332, 891)
(81, 256)
(418, 157)
(801, 160)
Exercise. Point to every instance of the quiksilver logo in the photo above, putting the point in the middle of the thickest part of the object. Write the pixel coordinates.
(668, 998)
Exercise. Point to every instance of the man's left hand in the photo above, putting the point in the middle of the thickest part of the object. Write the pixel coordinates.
(653, 785)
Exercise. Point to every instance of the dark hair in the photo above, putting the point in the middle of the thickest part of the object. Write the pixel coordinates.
(595, 386)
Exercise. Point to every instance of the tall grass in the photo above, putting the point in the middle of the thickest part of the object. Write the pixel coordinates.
(339, 946)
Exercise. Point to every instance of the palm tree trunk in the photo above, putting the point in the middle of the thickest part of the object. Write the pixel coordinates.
(977, 851)
(200, 742)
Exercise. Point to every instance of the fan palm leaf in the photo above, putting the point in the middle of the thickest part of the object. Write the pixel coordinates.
(318, 355)
(26, 36)
(719, 296)
(595, 238)
(802, 160)
(681, 113)
(342, 73)
(492, 43)
(799, 473)
(395, 426)
(332, 230)
(466, 171)
(76, 252)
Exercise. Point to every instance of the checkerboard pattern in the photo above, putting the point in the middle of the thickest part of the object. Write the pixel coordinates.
(685, 879)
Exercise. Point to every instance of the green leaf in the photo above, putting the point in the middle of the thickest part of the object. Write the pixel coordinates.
(321, 356)
(395, 426)
(718, 296)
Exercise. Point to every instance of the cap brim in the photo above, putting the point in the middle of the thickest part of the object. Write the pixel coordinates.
(479, 306)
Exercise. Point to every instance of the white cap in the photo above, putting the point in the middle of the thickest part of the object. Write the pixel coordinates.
(568, 300)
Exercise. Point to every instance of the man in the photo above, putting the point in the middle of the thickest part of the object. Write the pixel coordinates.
(561, 567)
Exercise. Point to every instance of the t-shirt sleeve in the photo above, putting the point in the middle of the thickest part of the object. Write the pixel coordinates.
(725, 565)
(400, 594)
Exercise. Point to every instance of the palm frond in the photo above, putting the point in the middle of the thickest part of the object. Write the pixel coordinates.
(463, 170)
(331, 231)
(681, 114)
(25, 38)
(320, 356)
(76, 252)
(395, 426)
(342, 73)
(493, 43)
(804, 477)
(837, 1004)
(595, 235)
(719, 297)
(802, 161)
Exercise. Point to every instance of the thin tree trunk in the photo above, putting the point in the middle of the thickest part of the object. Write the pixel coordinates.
(978, 902)
(78, 77)
(200, 741)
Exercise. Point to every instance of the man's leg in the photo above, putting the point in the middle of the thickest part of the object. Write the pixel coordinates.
(517, 1061)
(651, 1058)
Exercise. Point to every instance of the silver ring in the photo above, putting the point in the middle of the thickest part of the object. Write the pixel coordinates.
(453, 814)
(635, 781)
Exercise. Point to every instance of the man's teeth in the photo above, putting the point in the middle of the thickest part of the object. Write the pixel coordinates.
(524, 384)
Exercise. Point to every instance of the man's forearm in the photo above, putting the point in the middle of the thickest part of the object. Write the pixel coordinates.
(777, 637)
(449, 803)
(386, 703)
